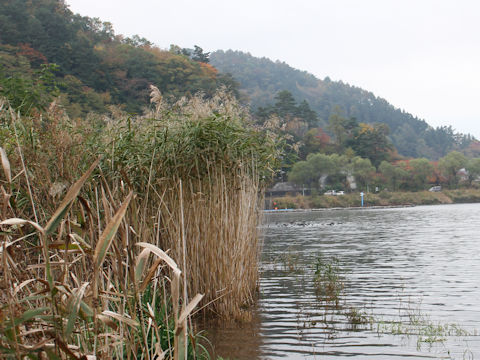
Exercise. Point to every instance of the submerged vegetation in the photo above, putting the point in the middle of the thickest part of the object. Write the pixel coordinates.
(330, 281)
(412, 322)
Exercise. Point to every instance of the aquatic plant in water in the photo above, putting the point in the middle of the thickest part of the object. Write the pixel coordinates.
(411, 322)
(328, 281)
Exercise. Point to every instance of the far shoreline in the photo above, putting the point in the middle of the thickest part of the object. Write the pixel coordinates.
(297, 203)
(273, 211)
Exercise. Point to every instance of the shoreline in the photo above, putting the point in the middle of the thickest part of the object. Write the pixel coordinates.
(371, 200)
(272, 211)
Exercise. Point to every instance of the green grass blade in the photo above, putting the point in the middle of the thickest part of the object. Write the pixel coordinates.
(27, 316)
(67, 201)
(141, 264)
(72, 307)
(109, 233)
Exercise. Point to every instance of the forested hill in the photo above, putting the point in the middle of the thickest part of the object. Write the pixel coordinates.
(261, 79)
(95, 67)
(47, 52)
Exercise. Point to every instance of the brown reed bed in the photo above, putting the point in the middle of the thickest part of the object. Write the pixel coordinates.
(206, 166)
(74, 289)
(222, 246)
(83, 274)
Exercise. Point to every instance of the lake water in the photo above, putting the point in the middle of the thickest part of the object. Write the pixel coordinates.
(412, 273)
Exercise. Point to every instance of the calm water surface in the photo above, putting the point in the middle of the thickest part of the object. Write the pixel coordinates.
(397, 264)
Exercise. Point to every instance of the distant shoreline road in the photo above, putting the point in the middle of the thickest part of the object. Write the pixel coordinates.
(371, 200)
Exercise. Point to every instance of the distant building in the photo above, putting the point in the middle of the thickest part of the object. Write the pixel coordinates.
(463, 174)
(287, 188)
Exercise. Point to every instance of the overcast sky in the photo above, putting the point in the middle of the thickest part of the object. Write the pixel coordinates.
(422, 56)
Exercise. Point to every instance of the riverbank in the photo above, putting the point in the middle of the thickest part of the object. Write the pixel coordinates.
(375, 199)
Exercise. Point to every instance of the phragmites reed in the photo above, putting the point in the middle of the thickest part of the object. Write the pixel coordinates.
(85, 278)
(208, 148)
(86, 207)
(221, 218)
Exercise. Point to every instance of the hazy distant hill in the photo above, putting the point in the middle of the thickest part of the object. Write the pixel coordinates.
(261, 78)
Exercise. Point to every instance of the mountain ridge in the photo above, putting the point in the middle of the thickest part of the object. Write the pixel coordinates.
(261, 79)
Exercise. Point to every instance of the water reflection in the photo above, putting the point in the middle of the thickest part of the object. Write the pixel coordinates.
(396, 263)
(232, 340)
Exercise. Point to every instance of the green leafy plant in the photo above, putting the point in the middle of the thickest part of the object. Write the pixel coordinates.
(328, 280)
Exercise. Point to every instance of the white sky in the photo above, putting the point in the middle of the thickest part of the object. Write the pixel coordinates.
(422, 56)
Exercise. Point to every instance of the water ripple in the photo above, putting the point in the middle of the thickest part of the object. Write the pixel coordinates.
(396, 263)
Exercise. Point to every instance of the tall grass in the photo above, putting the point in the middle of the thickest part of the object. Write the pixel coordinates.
(222, 245)
(205, 165)
(73, 288)
(82, 271)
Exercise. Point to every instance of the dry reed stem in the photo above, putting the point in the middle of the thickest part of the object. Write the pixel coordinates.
(60, 325)
(222, 248)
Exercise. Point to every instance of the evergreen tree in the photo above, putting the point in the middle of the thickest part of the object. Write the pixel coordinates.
(285, 104)
(199, 55)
